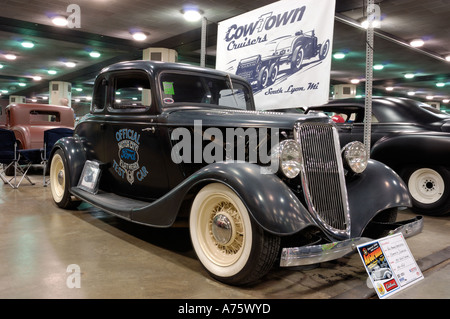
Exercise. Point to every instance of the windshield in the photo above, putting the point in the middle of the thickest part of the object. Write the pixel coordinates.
(183, 88)
(434, 110)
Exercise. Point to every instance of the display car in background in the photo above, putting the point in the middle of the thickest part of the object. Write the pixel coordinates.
(29, 121)
(410, 137)
(169, 143)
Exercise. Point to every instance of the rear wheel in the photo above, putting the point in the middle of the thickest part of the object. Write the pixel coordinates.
(429, 189)
(229, 244)
(263, 78)
(59, 182)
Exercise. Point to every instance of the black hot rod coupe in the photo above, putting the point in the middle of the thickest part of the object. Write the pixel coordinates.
(410, 137)
(167, 142)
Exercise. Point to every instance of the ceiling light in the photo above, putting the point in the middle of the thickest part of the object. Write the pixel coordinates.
(354, 81)
(95, 54)
(27, 44)
(37, 78)
(447, 57)
(192, 15)
(409, 75)
(79, 89)
(4, 91)
(378, 67)
(416, 43)
(51, 72)
(139, 36)
(411, 93)
(389, 88)
(22, 84)
(59, 21)
(70, 64)
(10, 56)
(1, 66)
(339, 55)
(445, 101)
(375, 24)
(430, 97)
(440, 84)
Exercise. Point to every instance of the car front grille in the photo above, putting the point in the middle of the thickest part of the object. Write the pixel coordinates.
(323, 176)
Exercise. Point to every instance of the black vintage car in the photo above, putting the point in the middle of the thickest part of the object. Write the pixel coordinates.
(408, 136)
(168, 143)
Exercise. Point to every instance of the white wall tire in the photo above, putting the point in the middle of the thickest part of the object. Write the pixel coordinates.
(429, 188)
(59, 183)
(228, 243)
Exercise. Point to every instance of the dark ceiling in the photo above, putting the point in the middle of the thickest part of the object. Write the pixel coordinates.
(106, 25)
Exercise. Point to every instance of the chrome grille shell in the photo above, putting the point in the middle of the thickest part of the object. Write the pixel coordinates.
(322, 176)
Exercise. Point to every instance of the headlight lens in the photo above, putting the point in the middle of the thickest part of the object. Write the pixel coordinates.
(355, 156)
(290, 158)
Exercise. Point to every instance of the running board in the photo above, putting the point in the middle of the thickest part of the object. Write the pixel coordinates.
(110, 202)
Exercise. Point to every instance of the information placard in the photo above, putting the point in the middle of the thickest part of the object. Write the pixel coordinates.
(390, 265)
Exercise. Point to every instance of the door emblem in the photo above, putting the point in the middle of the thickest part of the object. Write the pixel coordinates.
(128, 156)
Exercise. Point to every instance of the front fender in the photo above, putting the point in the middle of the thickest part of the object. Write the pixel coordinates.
(400, 149)
(269, 201)
(377, 189)
(75, 155)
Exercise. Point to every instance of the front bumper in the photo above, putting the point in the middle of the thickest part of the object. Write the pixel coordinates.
(309, 255)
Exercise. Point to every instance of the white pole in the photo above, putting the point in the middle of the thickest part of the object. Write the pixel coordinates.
(203, 43)
(369, 75)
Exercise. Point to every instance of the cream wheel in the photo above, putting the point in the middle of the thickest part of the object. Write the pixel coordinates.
(59, 182)
(226, 240)
(57, 178)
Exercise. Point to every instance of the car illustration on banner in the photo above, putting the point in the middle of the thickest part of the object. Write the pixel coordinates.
(288, 56)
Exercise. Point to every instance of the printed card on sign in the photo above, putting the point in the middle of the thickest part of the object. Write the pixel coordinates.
(283, 50)
(389, 264)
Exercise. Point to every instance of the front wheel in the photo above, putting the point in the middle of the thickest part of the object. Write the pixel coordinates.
(297, 60)
(429, 188)
(228, 243)
(59, 182)
(324, 50)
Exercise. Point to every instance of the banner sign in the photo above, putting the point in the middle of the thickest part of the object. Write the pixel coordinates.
(389, 264)
(283, 50)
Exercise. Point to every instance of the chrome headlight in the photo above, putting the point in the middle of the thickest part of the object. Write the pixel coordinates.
(290, 158)
(355, 156)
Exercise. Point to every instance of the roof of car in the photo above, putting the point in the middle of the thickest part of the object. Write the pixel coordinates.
(37, 106)
(158, 66)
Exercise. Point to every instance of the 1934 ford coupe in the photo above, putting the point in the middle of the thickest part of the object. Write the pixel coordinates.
(166, 143)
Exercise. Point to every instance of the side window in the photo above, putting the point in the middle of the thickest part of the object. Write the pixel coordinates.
(131, 91)
(100, 93)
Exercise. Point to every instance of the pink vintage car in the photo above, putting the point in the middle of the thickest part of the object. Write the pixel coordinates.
(29, 121)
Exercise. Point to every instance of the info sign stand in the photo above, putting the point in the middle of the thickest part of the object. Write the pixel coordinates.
(389, 264)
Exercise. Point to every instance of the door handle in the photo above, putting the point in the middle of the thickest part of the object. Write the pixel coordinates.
(151, 129)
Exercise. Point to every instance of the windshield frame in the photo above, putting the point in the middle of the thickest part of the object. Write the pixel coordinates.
(236, 84)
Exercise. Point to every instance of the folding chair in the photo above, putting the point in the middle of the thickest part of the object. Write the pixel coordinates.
(10, 158)
(50, 138)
